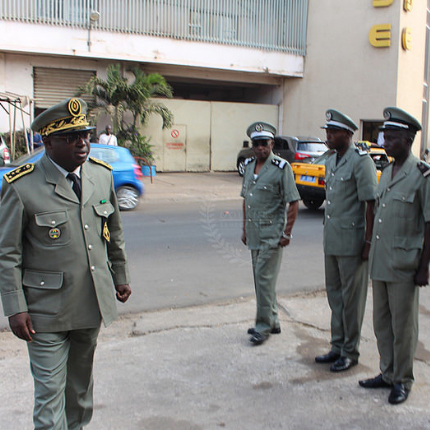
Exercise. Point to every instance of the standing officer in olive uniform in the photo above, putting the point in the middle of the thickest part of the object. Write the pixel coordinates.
(61, 256)
(268, 185)
(400, 255)
(350, 193)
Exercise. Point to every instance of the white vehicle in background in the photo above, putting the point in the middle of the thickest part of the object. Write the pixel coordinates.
(4, 153)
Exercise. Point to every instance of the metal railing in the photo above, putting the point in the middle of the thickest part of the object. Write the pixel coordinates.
(276, 25)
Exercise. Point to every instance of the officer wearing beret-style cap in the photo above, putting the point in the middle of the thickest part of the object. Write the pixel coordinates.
(268, 186)
(399, 257)
(61, 257)
(351, 182)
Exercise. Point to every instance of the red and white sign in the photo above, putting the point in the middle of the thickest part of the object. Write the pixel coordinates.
(174, 133)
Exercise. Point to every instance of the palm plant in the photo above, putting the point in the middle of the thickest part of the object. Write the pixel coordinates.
(116, 95)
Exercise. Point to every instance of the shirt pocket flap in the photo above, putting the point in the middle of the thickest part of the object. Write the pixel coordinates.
(51, 219)
(104, 209)
(265, 187)
(44, 280)
(403, 197)
(408, 242)
(346, 176)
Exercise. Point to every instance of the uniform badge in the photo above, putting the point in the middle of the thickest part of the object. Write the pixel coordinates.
(106, 233)
(259, 127)
(54, 233)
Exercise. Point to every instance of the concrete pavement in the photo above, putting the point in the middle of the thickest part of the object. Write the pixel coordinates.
(194, 369)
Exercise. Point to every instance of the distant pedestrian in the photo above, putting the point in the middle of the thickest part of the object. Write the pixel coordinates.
(268, 186)
(107, 138)
(351, 181)
(400, 255)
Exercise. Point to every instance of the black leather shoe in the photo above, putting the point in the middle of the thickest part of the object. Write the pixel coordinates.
(331, 357)
(376, 382)
(398, 394)
(258, 338)
(275, 330)
(342, 363)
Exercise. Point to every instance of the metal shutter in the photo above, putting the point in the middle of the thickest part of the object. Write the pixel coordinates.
(51, 86)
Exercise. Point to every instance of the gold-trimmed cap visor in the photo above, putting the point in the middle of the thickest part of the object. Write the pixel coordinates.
(65, 117)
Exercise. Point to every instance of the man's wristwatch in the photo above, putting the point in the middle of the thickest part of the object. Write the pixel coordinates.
(287, 236)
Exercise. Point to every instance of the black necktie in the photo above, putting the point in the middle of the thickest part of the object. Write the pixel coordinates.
(76, 184)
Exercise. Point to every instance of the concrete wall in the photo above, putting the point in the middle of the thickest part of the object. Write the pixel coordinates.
(342, 69)
(214, 133)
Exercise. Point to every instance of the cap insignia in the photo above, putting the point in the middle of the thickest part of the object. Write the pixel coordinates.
(387, 114)
(259, 127)
(329, 116)
(74, 107)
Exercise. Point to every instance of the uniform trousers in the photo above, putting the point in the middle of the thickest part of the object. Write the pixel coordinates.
(265, 265)
(62, 367)
(346, 284)
(395, 321)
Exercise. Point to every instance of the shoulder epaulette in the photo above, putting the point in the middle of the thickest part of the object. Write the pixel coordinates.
(248, 160)
(424, 168)
(279, 163)
(102, 163)
(361, 152)
(19, 172)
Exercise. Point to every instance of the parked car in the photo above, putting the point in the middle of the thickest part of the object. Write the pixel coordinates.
(310, 177)
(290, 148)
(126, 172)
(4, 153)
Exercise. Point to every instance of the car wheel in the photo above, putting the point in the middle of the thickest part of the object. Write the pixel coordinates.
(241, 166)
(128, 198)
(313, 204)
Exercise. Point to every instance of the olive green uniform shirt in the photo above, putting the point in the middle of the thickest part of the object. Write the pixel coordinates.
(55, 260)
(349, 184)
(402, 209)
(265, 201)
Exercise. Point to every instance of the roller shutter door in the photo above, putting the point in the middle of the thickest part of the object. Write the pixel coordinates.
(54, 85)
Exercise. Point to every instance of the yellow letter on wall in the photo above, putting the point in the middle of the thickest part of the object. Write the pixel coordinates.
(407, 5)
(380, 35)
(407, 39)
(382, 3)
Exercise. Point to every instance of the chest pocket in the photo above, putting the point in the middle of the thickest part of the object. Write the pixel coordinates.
(403, 204)
(53, 228)
(103, 210)
(266, 193)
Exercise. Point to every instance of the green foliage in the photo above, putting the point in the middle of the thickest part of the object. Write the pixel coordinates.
(137, 144)
(116, 95)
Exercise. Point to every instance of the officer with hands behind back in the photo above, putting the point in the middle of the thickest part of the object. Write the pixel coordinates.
(348, 220)
(61, 256)
(268, 186)
(400, 255)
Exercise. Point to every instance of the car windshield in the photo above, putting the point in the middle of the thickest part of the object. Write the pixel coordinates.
(107, 155)
(311, 147)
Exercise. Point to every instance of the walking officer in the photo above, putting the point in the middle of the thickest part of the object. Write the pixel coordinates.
(400, 255)
(350, 176)
(268, 186)
(61, 259)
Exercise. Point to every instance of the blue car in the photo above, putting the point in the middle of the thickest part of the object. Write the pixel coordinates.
(126, 172)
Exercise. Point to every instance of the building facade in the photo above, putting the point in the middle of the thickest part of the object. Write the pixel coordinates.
(229, 62)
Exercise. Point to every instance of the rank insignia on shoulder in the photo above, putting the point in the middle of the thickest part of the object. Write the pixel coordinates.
(361, 152)
(424, 168)
(279, 163)
(248, 160)
(19, 172)
(102, 163)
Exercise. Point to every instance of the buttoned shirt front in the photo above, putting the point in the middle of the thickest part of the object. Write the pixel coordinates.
(349, 184)
(402, 209)
(266, 197)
